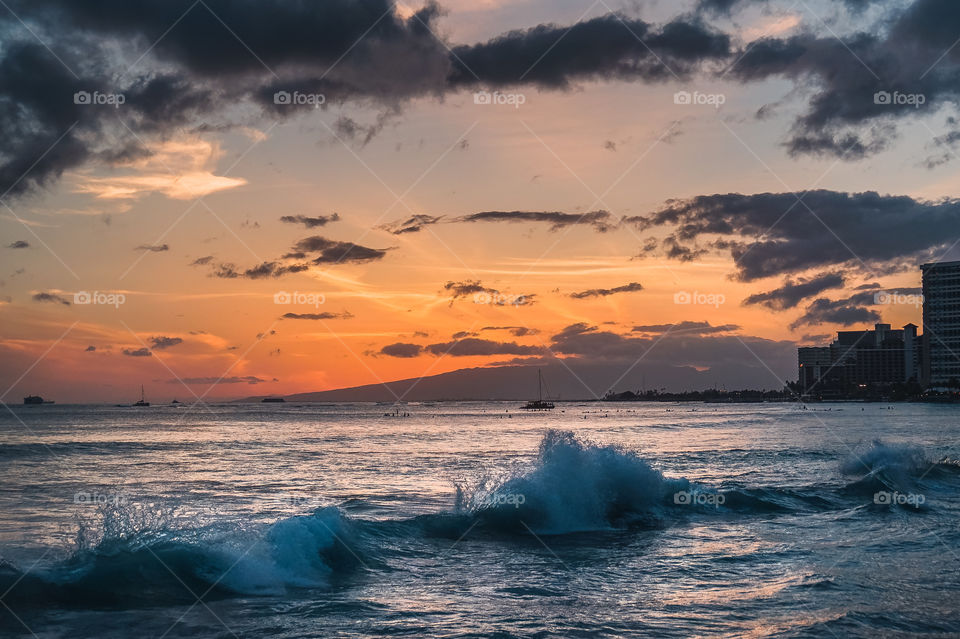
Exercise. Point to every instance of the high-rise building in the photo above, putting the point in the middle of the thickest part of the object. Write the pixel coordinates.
(859, 361)
(941, 323)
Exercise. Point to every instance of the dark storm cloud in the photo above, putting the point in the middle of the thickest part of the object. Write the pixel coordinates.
(55, 298)
(686, 328)
(606, 292)
(912, 54)
(222, 53)
(793, 292)
(160, 343)
(412, 224)
(19, 244)
(317, 316)
(139, 352)
(153, 248)
(852, 310)
(610, 46)
(335, 252)
(864, 231)
(310, 222)
(212, 54)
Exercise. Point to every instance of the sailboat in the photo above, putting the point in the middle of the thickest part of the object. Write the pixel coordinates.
(538, 404)
(141, 402)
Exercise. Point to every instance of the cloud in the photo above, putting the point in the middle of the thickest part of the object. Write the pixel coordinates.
(584, 343)
(90, 349)
(401, 350)
(484, 295)
(606, 292)
(468, 347)
(44, 296)
(858, 231)
(264, 270)
(612, 46)
(516, 331)
(310, 222)
(155, 248)
(336, 252)
(686, 328)
(412, 224)
(161, 343)
(140, 352)
(152, 172)
(318, 316)
(19, 244)
(909, 56)
(852, 310)
(202, 261)
(601, 221)
(793, 292)
(244, 379)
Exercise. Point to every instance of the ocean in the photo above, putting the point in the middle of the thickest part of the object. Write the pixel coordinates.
(475, 519)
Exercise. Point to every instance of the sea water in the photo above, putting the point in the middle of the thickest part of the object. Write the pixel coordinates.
(480, 520)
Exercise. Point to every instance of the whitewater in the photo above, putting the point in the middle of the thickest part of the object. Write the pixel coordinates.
(475, 519)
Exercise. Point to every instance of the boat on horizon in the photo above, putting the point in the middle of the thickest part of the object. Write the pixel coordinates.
(538, 404)
(273, 400)
(141, 403)
(32, 400)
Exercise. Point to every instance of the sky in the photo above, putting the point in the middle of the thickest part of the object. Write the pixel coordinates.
(223, 199)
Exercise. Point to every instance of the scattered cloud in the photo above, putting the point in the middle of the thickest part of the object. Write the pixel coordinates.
(310, 222)
(606, 292)
(686, 328)
(318, 316)
(55, 298)
(154, 248)
(793, 292)
(161, 343)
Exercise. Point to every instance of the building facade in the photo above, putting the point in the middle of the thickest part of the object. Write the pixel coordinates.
(860, 361)
(941, 323)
